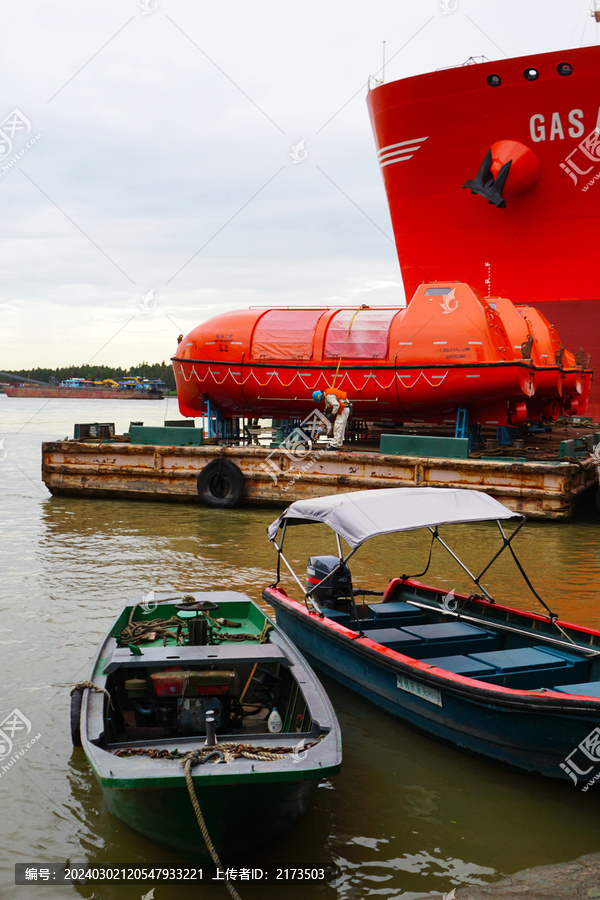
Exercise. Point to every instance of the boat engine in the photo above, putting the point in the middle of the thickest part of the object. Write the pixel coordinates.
(336, 586)
(179, 700)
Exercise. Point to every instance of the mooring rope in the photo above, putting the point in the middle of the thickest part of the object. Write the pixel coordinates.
(202, 825)
(139, 632)
(231, 750)
(225, 753)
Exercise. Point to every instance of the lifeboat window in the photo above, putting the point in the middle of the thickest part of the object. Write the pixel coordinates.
(531, 74)
(359, 334)
(494, 80)
(564, 69)
(437, 291)
(285, 334)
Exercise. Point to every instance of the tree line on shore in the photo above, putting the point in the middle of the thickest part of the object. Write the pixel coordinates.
(163, 371)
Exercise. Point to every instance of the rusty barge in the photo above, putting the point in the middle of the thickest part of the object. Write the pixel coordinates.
(220, 475)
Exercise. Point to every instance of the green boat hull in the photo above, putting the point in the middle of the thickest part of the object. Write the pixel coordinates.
(238, 816)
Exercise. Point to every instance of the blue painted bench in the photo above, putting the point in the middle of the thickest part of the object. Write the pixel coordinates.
(395, 638)
(451, 639)
(526, 668)
(337, 615)
(383, 614)
(460, 665)
(585, 688)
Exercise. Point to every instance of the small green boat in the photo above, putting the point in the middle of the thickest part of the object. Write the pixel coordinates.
(205, 685)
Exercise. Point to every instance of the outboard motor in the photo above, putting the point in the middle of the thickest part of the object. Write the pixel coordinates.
(336, 586)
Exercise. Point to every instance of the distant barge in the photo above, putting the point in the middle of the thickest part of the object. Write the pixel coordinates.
(75, 393)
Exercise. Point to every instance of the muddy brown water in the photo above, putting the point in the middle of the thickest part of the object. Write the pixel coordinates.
(406, 816)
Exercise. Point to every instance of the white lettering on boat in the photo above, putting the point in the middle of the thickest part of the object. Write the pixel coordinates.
(419, 690)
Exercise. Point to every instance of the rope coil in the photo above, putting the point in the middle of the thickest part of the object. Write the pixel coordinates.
(230, 751)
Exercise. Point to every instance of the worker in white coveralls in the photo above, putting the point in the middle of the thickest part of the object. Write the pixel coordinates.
(337, 406)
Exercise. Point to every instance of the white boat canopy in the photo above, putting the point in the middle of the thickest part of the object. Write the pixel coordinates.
(360, 515)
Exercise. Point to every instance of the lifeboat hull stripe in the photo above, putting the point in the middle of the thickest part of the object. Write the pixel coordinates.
(391, 367)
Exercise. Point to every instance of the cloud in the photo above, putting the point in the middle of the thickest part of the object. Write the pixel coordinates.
(164, 158)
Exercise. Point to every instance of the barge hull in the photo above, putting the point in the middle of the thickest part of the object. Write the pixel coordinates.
(59, 393)
(542, 490)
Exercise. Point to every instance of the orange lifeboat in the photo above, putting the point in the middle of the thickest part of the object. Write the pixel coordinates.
(448, 349)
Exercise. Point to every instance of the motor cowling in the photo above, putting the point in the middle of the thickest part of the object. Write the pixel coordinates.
(336, 584)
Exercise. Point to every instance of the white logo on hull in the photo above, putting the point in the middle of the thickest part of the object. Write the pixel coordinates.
(400, 152)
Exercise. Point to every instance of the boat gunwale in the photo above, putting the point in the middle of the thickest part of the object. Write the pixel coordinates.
(540, 700)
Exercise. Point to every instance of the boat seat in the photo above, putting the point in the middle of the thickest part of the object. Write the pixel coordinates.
(527, 668)
(460, 665)
(337, 615)
(450, 639)
(520, 659)
(579, 666)
(447, 631)
(585, 688)
(395, 638)
(403, 612)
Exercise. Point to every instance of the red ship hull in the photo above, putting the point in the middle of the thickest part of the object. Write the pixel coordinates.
(534, 240)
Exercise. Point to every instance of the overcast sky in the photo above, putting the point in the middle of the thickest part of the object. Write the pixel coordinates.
(172, 159)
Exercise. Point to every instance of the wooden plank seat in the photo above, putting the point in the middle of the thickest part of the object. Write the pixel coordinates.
(579, 666)
(385, 610)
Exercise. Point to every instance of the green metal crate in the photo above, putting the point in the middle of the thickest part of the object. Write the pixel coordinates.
(167, 436)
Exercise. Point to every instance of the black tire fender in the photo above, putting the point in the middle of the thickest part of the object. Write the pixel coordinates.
(76, 700)
(221, 484)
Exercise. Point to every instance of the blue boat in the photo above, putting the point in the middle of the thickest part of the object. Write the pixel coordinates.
(519, 688)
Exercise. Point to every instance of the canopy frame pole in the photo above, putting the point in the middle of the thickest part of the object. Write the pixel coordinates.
(280, 557)
(294, 576)
(480, 620)
(462, 565)
(551, 615)
(505, 544)
(307, 594)
(279, 554)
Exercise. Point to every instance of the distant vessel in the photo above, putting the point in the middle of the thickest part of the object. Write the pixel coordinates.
(84, 389)
(450, 348)
(492, 175)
